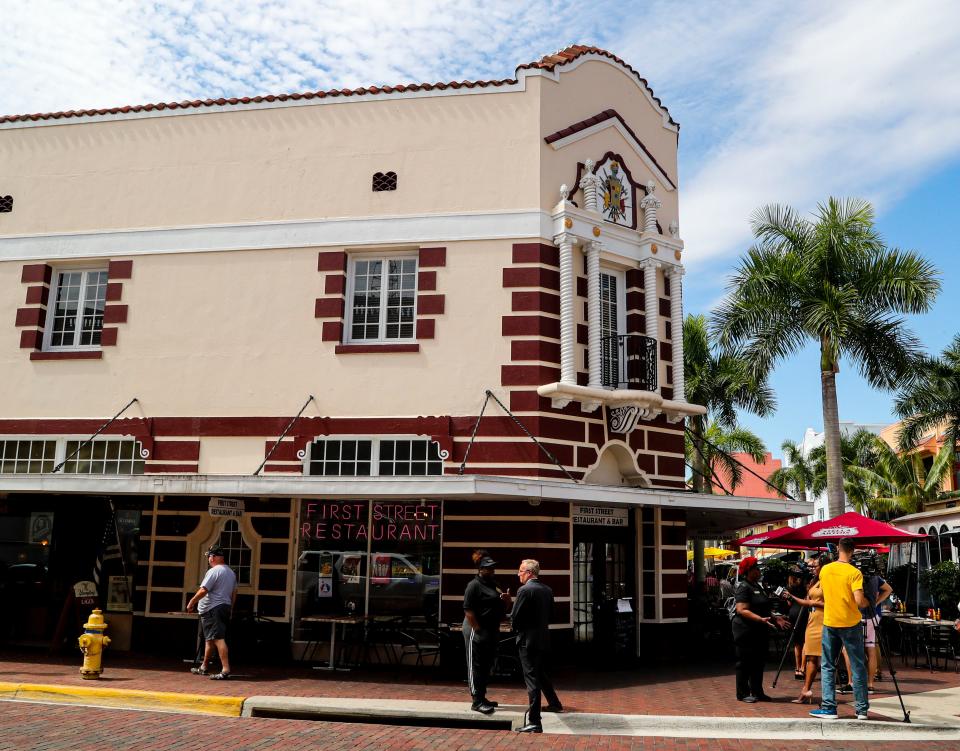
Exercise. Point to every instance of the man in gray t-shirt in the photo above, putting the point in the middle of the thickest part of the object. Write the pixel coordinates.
(214, 601)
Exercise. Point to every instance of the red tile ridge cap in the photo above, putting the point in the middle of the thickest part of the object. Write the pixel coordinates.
(548, 62)
(574, 51)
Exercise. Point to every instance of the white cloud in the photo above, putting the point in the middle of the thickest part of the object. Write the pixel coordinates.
(777, 103)
(100, 53)
(855, 99)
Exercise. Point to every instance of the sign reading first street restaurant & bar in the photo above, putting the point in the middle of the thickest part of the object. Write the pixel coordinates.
(600, 516)
(226, 507)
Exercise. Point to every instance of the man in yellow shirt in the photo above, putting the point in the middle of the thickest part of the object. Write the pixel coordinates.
(843, 598)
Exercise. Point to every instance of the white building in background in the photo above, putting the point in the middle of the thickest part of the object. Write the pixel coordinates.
(811, 440)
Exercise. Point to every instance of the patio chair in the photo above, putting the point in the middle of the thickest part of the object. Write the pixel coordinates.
(939, 642)
(423, 643)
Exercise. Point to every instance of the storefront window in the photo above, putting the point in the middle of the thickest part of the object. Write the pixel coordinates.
(119, 565)
(367, 558)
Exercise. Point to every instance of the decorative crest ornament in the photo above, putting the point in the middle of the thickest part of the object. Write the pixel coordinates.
(625, 419)
(674, 229)
(609, 189)
(617, 196)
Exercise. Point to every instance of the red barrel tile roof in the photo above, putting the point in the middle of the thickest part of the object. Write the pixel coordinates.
(548, 62)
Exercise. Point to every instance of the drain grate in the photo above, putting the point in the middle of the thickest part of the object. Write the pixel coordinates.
(382, 719)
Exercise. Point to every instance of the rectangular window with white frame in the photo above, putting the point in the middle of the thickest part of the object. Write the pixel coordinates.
(75, 319)
(382, 298)
(101, 456)
(374, 457)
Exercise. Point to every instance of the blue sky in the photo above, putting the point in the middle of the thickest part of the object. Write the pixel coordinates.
(777, 102)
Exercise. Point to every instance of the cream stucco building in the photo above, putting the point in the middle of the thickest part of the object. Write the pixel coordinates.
(395, 253)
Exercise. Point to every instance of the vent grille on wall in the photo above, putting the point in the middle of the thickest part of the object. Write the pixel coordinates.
(384, 181)
(6, 203)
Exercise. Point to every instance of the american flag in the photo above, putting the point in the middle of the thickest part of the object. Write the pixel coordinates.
(109, 546)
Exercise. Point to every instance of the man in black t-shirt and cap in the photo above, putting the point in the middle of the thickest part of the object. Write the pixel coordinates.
(483, 608)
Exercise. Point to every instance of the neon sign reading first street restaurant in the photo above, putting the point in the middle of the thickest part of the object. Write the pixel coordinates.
(354, 521)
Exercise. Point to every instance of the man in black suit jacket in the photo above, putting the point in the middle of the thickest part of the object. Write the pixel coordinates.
(531, 621)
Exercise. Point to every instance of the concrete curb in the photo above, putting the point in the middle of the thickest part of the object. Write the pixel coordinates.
(593, 724)
(744, 727)
(382, 710)
(162, 701)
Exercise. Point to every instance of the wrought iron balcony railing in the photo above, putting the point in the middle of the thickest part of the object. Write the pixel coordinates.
(629, 362)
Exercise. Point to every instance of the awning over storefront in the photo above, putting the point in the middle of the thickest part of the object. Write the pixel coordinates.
(707, 515)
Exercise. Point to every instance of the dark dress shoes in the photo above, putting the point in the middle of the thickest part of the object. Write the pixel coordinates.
(493, 703)
(483, 707)
(749, 700)
(553, 708)
(530, 728)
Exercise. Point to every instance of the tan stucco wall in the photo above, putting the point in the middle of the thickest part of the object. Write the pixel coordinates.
(234, 334)
(451, 153)
(584, 92)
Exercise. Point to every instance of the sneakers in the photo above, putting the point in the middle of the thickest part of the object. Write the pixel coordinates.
(846, 688)
(824, 714)
(862, 716)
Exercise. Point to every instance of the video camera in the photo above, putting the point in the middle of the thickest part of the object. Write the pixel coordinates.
(867, 564)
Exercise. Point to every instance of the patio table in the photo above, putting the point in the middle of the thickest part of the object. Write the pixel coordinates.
(334, 621)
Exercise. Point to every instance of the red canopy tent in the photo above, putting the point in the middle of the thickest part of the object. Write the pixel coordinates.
(853, 525)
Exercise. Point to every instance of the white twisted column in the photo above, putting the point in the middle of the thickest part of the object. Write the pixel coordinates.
(568, 326)
(650, 204)
(590, 185)
(676, 328)
(652, 299)
(594, 343)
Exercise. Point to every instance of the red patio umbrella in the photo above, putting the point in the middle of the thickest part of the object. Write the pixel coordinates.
(853, 525)
(768, 539)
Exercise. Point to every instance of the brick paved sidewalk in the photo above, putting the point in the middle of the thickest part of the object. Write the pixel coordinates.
(689, 689)
(58, 728)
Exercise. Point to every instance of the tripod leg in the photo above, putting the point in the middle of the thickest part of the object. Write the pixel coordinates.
(885, 652)
(786, 649)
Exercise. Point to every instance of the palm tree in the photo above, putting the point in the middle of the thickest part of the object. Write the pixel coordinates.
(720, 443)
(723, 382)
(831, 280)
(900, 483)
(798, 474)
(858, 450)
(931, 400)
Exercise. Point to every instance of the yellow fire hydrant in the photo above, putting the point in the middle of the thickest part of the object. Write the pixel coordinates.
(92, 643)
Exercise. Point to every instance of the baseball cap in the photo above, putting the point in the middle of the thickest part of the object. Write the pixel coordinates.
(215, 550)
(746, 564)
